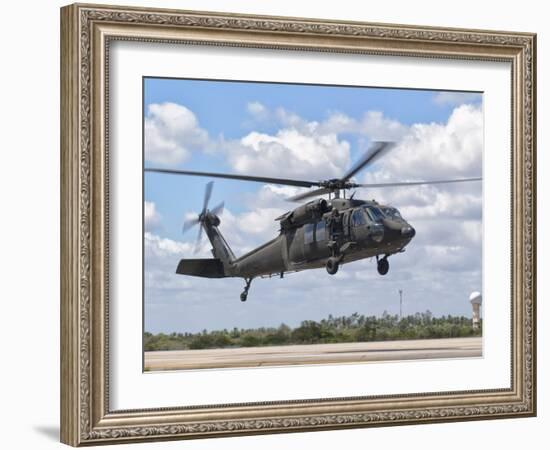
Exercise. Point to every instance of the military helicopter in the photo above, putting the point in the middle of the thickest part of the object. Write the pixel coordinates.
(319, 233)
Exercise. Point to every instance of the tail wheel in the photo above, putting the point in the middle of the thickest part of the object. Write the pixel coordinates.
(244, 294)
(332, 265)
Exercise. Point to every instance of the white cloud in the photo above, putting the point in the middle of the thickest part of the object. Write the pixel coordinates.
(439, 151)
(161, 256)
(436, 202)
(164, 247)
(307, 149)
(151, 217)
(249, 229)
(435, 152)
(257, 110)
(290, 153)
(275, 196)
(290, 119)
(271, 192)
(373, 124)
(260, 221)
(172, 131)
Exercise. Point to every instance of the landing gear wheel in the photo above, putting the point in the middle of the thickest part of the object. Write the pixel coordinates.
(244, 294)
(332, 265)
(383, 266)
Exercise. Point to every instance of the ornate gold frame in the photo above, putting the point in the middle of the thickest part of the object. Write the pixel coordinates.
(86, 31)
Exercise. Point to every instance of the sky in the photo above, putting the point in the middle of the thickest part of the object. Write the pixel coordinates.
(307, 132)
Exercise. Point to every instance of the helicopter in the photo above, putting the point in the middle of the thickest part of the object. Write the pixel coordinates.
(320, 233)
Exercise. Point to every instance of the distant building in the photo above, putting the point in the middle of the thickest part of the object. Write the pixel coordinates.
(475, 300)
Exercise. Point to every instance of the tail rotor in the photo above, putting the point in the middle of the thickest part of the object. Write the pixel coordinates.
(205, 214)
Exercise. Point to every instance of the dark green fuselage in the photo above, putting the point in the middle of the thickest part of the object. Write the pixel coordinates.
(311, 234)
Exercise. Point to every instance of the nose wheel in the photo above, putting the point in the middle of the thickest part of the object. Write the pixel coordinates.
(244, 293)
(383, 265)
(333, 264)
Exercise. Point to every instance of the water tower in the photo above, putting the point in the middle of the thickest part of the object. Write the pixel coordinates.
(475, 300)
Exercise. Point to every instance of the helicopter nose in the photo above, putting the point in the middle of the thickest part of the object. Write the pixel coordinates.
(408, 231)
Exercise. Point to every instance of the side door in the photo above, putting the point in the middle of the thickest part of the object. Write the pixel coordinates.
(309, 240)
(320, 248)
(346, 225)
(316, 241)
(360, 225)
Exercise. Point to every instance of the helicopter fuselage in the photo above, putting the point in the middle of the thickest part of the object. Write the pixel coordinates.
(345, 229)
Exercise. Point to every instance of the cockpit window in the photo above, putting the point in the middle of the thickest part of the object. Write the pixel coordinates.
(358, 218)
(391, 213)
(308, 233)
(374, 214)
(320, 231)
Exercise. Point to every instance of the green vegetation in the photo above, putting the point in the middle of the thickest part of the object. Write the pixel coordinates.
(354, 328)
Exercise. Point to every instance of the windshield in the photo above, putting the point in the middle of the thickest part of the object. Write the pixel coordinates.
(374, 214)
(391, 213)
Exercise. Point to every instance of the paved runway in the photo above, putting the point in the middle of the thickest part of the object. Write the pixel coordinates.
(314, 354)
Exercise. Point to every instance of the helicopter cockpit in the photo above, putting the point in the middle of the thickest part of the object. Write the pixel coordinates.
(394, 221)
(391, 213)
(366, 215)
(374, 214)
(372, 221)
(367, 222)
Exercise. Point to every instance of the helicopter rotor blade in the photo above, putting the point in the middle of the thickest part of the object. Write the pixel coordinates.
(376, 151)
(218, 210)
(417, 183)
(283, 181)
(207, 195)
(188, 224)
(308, 194)
(197, 247)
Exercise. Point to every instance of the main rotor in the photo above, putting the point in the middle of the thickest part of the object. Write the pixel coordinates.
(332, 186)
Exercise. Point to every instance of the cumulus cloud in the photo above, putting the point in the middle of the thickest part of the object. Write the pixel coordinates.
(257, 110)
(435, 151)
(172, 131)
(161, 256)
(372, 124)
(290, 153)
(300, 147)
(151, 217)
(304, 148)
(439, 151)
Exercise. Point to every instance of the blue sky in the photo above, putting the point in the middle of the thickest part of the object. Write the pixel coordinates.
(222, 104)
(308, 132)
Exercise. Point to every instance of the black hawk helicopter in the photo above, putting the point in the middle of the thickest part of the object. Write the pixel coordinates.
(319, 233)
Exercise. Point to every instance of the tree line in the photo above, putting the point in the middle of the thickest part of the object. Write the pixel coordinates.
(353, 328)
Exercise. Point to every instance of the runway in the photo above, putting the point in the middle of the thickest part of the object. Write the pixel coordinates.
(356, 352)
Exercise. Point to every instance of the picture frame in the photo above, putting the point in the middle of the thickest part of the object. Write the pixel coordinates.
(87, 34)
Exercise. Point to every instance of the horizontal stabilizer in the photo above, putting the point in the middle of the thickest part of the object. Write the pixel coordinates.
(207, 268)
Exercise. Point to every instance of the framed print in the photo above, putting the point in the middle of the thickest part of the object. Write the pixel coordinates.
(279, 224)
